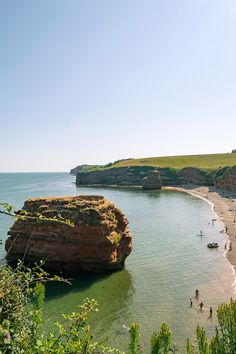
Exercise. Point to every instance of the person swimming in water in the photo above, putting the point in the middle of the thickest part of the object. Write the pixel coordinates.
(196, 293)
(124, 327)
(201, 305)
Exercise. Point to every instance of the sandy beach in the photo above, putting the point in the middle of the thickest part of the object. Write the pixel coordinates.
(224, 204)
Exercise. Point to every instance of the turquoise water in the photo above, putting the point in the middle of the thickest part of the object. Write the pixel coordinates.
(168, 262)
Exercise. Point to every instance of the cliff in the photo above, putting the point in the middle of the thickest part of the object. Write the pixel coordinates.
(225, 178)
(100, 240)
(124, 176)
(135, 175)
(195, 175)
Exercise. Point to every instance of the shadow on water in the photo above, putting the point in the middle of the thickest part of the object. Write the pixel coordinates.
(78, 283)
(114, 293)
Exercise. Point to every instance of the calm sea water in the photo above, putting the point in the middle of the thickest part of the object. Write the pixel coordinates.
(169, 261)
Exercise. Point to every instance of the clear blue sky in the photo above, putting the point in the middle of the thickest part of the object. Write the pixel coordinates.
(93, 81)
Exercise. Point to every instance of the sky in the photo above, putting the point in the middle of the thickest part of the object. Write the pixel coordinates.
(93, 81)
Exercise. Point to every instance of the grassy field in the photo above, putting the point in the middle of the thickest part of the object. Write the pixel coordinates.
(209, 162)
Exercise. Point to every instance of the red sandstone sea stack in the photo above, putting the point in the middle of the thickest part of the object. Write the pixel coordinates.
(99, 241)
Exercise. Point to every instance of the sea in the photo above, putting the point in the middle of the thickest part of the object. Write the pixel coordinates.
(169, 261)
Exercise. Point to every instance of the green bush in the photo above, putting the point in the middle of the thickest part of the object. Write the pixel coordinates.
(21, 322)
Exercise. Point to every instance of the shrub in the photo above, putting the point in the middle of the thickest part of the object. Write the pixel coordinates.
(21, 323)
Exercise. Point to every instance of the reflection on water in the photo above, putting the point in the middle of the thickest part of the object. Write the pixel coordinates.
(168, 262)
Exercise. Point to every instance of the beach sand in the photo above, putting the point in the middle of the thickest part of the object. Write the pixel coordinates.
(224, 204)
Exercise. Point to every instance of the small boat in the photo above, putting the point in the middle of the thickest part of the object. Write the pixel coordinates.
(213, 245)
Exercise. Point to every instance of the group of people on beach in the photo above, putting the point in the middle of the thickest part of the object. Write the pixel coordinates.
(201, 303)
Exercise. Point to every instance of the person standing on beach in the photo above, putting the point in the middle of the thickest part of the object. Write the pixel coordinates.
(211, 312)
(191, 302)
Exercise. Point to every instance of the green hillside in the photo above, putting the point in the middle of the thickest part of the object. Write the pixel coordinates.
(210, 161)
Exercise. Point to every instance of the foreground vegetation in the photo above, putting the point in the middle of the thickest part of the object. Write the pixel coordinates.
(22, 328)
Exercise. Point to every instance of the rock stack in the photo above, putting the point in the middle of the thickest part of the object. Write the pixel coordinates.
(99, 240)
(152, 181)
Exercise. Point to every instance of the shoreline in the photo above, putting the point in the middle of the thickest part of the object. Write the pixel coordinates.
(222, 202)
(224, 205)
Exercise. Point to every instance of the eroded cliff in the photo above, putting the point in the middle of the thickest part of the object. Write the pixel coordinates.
(135, 175)
(225, 178)
(126, 176)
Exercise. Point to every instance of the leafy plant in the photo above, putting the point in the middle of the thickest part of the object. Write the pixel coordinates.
(7, 209)
(21, 322)
(161, 342)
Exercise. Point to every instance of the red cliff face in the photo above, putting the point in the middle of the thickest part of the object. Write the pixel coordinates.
(99, 241)
(192, 175)
(225, 178)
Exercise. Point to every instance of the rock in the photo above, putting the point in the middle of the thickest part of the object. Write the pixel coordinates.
(152, 181)
(100, 240)
(225, 178)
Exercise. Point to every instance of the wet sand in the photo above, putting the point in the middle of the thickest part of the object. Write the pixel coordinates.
(224, 204)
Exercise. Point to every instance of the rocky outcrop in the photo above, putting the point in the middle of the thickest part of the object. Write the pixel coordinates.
(77, 169)
(225, 178)
(99, 241)
(152, 181)
(82, 168)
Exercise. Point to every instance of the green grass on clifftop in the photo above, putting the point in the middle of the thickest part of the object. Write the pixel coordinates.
(211, 161)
